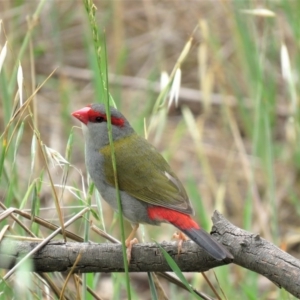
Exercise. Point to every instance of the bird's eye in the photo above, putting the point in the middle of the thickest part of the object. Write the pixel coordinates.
(99, 119)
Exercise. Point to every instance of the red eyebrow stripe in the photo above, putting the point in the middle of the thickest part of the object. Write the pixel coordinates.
(115, 121)
(94, 114)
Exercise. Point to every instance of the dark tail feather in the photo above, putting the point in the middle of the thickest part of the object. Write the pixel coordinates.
(205, 241)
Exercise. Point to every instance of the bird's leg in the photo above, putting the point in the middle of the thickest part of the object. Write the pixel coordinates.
(181, 237)
(130, 241)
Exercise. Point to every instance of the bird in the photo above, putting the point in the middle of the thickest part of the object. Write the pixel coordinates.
(150, 192)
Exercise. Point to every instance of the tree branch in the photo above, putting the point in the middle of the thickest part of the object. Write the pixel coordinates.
(58, 256)
(249, 250)
(258, 255)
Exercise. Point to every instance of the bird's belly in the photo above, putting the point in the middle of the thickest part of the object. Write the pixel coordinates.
(133, 210)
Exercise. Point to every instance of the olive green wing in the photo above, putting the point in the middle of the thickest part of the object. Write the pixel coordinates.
(144, 174)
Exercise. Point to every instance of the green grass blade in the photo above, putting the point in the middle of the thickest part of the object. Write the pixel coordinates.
(152, 286)
(171, 262)
(100, 49)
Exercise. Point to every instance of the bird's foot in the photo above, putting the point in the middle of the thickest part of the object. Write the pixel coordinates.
(181, 237)
(130, 241)
(129, 244)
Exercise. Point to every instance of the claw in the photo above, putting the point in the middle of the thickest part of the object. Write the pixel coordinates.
(129, 245)
(130, 241)
(181, 237)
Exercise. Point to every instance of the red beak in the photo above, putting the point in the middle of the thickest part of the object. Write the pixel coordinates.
(82, 114)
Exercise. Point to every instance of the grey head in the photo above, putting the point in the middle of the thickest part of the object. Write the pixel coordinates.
(95, 130)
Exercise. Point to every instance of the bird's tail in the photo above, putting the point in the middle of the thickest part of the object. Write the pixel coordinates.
(188, 226)
(205, 241)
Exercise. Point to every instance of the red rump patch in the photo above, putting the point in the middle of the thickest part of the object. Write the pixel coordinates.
(95, 114)
(178, 219)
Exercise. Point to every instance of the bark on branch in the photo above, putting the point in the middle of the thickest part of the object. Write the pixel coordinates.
(249, 250)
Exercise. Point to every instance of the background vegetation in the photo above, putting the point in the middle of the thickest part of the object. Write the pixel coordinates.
(233, 139)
